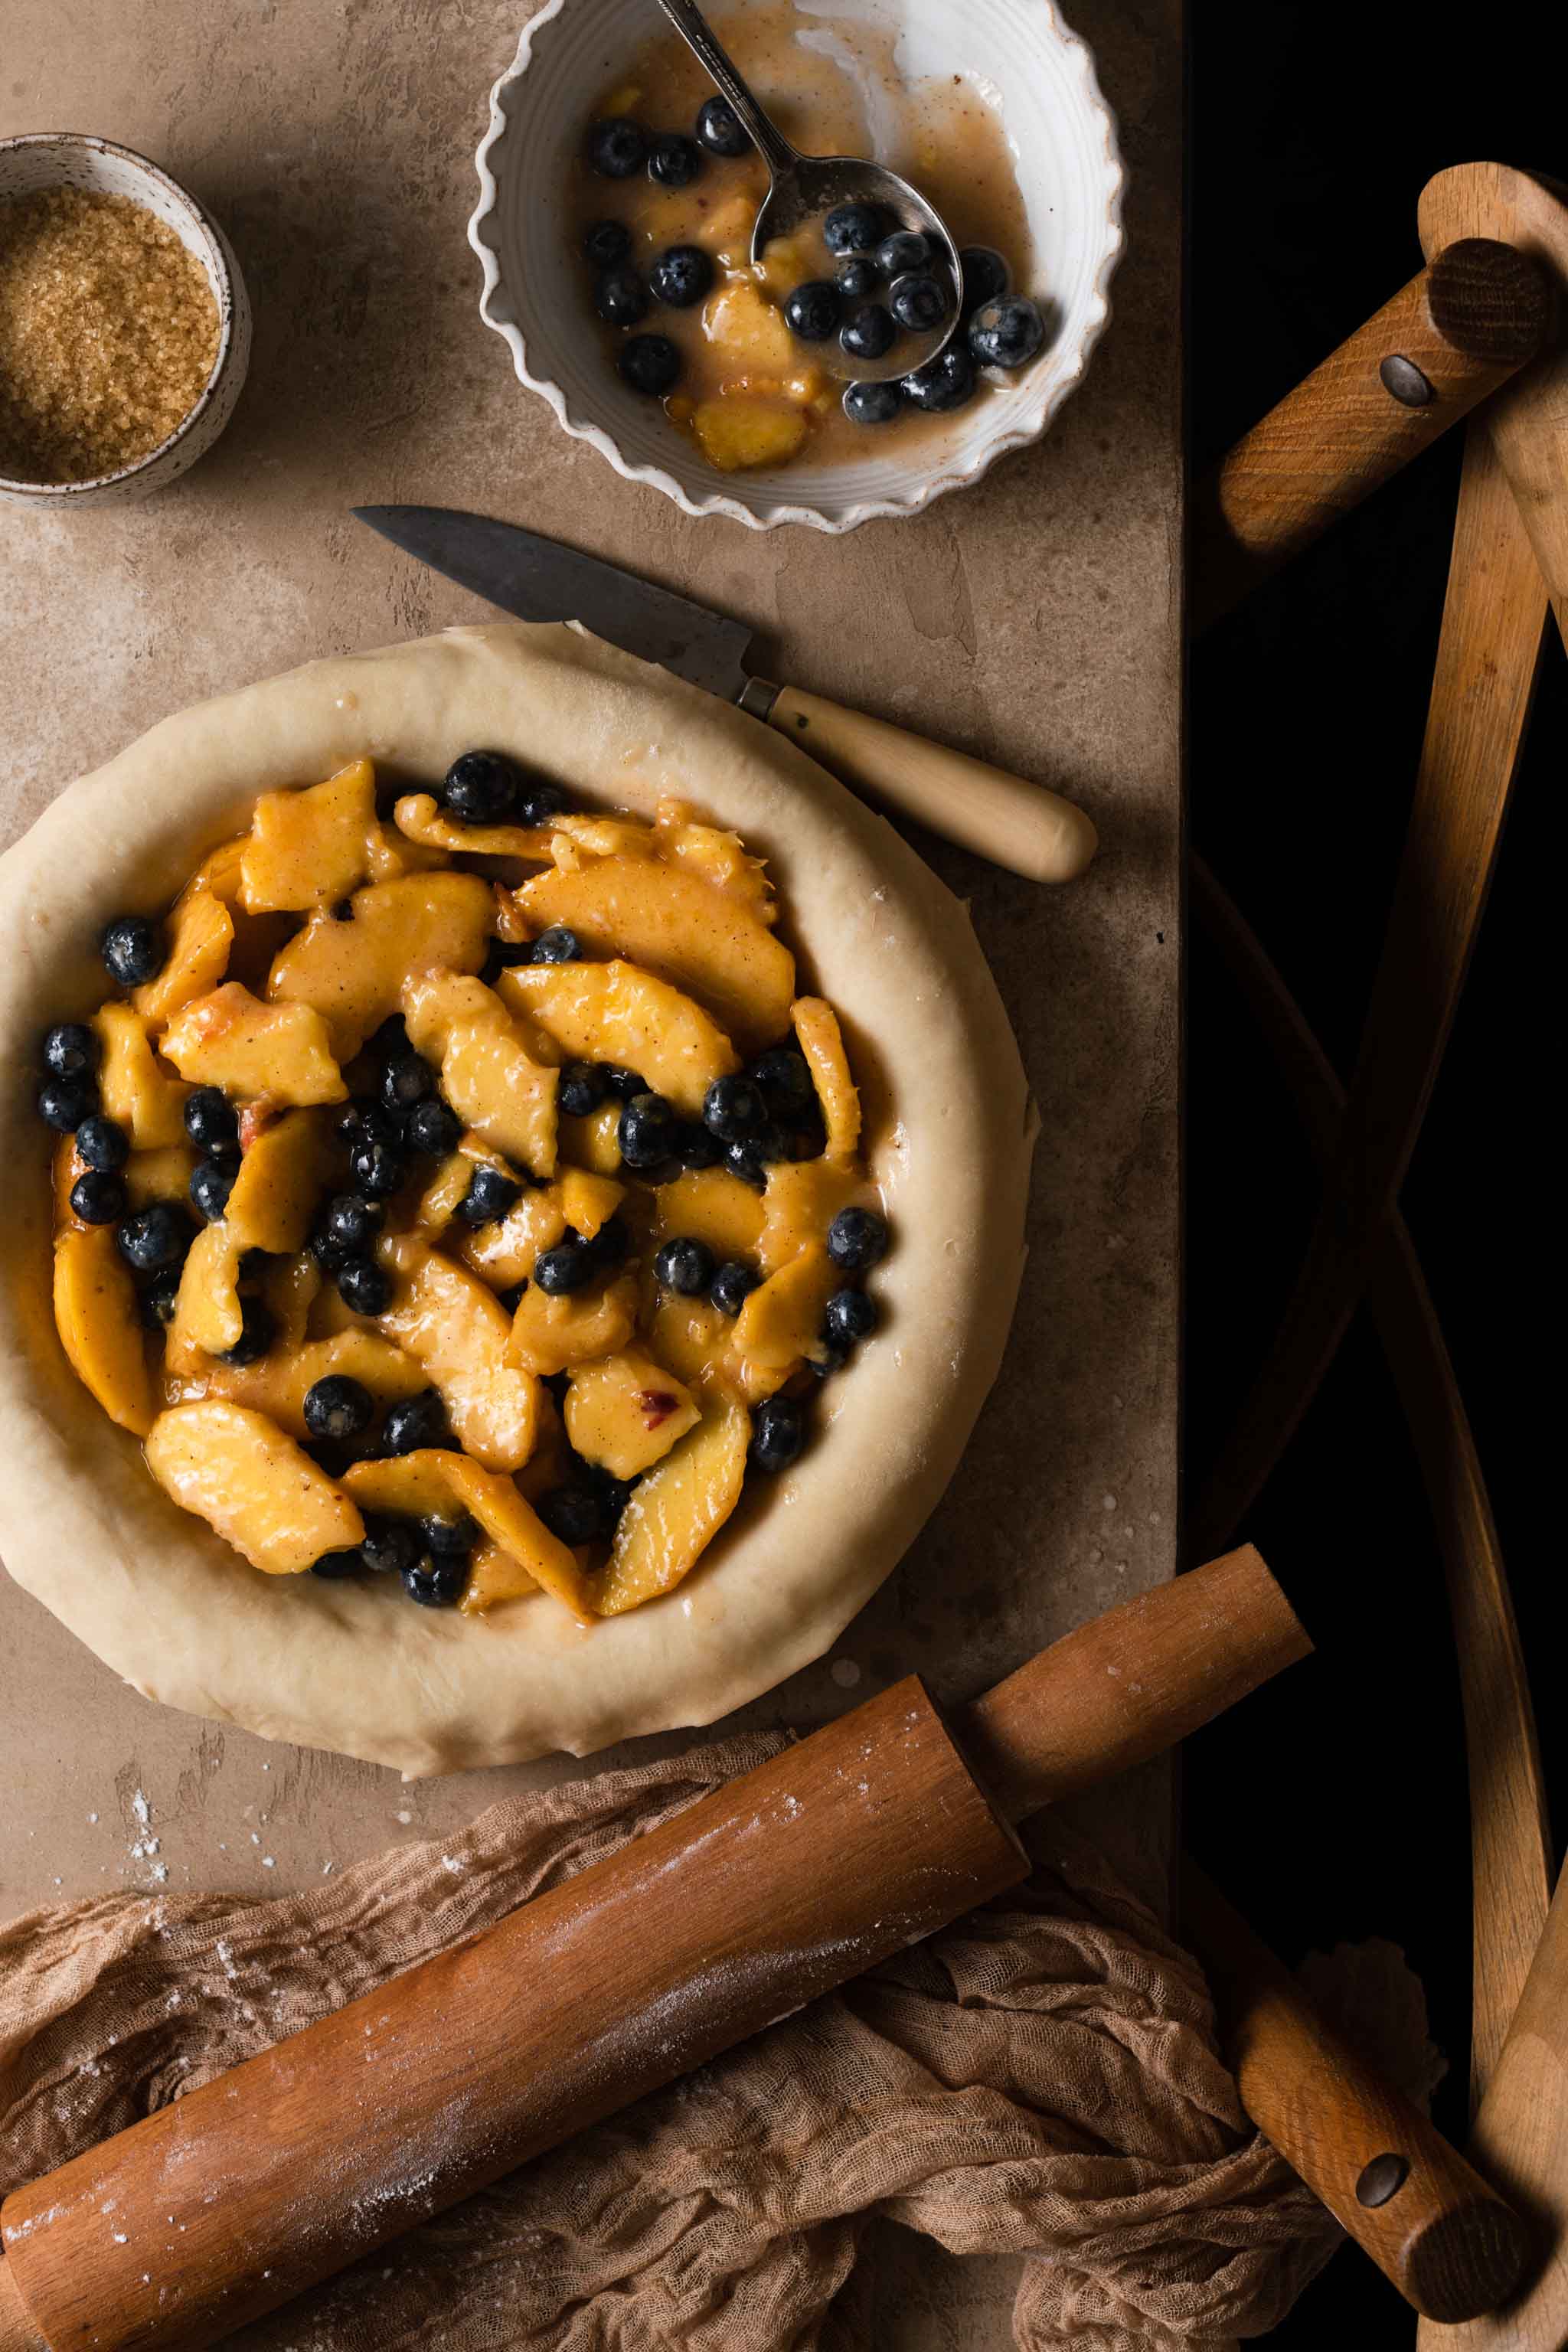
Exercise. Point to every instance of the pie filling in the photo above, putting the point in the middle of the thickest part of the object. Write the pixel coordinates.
(460, 1192)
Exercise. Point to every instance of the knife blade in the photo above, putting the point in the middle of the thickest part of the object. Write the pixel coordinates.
(1015, 823)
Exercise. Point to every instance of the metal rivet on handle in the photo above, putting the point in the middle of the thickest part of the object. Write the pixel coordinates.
(1383, 2178)
(1404, 380)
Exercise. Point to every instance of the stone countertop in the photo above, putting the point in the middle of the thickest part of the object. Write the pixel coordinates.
(1034, 620)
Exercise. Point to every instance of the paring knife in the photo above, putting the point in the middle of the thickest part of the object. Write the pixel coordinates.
(1016, 824)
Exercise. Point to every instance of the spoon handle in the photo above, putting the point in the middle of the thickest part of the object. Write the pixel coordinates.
(695, 30)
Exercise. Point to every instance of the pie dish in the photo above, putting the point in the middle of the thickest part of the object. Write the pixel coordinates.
(947, 1137)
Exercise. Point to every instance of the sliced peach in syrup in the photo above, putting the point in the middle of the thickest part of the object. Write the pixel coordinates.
(265, 1053)
(96, 1316)
(799, 1202)
(614, 1013)
(550, 1335)
(278, 1383)
(133, 1086)
(672, 924)
(280, 1182)
(419, 817)
(488, 1075)
(779, 1323)
(308, 849)
(353, 972)
(431, 1481)
(594, 1142)
(444, 1318)
(164, 1175)
(201, 935)
(709, 1205)
(208, 1317)
(717, 857)
(252, 1484)
(822, 1043)
(625, 1412)
(677, 1510)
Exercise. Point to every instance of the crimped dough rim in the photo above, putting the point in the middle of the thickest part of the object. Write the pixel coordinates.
(163, 1599)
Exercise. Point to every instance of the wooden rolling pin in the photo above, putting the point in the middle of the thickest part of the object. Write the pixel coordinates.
(848, 1847)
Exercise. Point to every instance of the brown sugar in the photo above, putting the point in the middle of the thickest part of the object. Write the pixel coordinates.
(107, 334)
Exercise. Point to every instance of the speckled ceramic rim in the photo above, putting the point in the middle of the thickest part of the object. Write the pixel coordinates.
(223, 276)
(974, 463)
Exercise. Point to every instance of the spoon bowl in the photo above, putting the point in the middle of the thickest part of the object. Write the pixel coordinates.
(804, 189)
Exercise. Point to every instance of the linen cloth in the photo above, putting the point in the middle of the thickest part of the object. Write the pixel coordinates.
(1040, 2080)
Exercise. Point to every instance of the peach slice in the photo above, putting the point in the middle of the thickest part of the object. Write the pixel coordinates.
(95, 1314)
(389, 854)
(251, 1483)
(353, 972)
(432, 1480)
(716, 857)
(133, 1086)
(308, 849)
(550, 1335)
(266, 1053)
(677, 1509)
(614, 1013)
(800, 1200)
(201, 934)
(577, 1201)
(778, 1325)
(208, 1317)
(494, 1576)
(738, 430)
(680, 930)
(625, 1413)
(164, 1175)
(746, 331)
(593, 1142)
(822, 1042)
(418, 816)
(486, 1073)
(709, 1205)
(574, 839)
(693, 1337)
(280, 1182)
(278, 1383)
(444, 1318)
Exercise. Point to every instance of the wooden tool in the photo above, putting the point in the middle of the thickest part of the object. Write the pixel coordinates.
(847, 1848)
(1459, 329)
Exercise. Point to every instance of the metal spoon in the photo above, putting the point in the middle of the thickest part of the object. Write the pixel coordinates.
(805, 187)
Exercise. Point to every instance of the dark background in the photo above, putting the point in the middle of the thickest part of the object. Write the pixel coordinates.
(1335, 1806)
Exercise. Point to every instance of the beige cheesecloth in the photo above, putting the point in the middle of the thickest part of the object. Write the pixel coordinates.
(1040, 2080)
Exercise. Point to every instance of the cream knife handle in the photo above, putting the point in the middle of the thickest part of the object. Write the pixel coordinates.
(1016, 824)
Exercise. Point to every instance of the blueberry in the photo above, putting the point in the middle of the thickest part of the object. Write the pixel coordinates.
(333, 1243)
(733, 1108)
(695, 1148)
(432, 1129)
(364, 1286)
(617, 148)
(65, 1103)
(870, 334)
(673, 159)
(500, 955)
(102, 1145)
(338, 1407)
(565, 1267)
(490, 1194)
(731, 1285)
(607, 242)
(212, 1181)
(918, 302)
(685, 1264)
(778, 1432)
(538, 799)
(622, 1083)
(828, 1356)
(581, 1090)
(436, 1583)
(857, 278)
(377, 1169)
(943, 382)
(812, 310)
(574, 1515)
(415, 1422)
(785, 1079)
(681, 276)
(1006, 332)
(361, 1121)
(159, 1298)
(985, 277)
(452, 1538)
(611, 1243)
(353, 1222)
(651, 364)
(70, 1050)
(211, 1120)
(333, 1564)
(257, 1331)
(557, 945)
(849, 1316)
(872, 403)
(854, 228)
(98, 1198)
(744, 1160)
(132, 950)
(390, 1547)
(856, 1238)
(647, 1130)
(620, 297)
(720, 128)
(613, 1493)
(154, 1237)
(480, 787)
(406, 1081)
(906, 248)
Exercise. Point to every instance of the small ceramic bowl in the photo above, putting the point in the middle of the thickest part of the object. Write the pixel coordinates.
(70, 159)
(1064, 147)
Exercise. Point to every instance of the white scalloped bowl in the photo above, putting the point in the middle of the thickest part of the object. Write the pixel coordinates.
(1063, 139)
